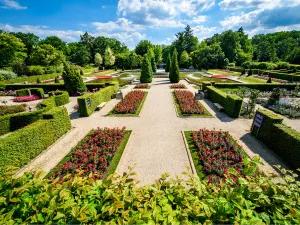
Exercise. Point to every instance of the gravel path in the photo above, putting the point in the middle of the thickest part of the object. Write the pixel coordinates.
(156, 144)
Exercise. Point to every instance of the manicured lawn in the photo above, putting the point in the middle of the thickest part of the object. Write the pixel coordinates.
(137, 113)
(253, 80)
(206, 113)
(224, 73)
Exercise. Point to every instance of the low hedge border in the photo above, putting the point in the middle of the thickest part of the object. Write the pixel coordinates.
(31, 79)
(261, 87)
(232, 103)
(61, 97)
(34, 91)
(19, 148)
(283, 140)
(95, 99)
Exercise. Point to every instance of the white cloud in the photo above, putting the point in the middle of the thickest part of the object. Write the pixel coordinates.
(10, 4)
(122, 24)
(203, 32)
(263, 30)
(261, 4)
(198, 19)
(44, 31)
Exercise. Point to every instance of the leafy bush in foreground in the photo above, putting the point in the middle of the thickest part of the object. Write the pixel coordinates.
(256, 200)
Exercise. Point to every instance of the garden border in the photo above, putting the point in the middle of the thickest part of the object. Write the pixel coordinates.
(137, 114)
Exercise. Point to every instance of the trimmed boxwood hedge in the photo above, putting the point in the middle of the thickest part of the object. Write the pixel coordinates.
(61, 97)
(282, 139)
(104, 95)
(36, 91)
(32, 79)
(23, 145)
(232, 104)
(261, 87)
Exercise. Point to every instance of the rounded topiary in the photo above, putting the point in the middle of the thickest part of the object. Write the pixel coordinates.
(174, 74)
(38, 81)
(56, 80)
(269, 81)
(146, 74)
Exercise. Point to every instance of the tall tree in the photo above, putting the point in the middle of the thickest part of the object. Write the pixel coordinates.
(152, 59)
(132, 60)
(11, 50)
(46, 55)
(98, 60)
(79, 54)
(146, 73)
(184, 60)
(142, 47)
(158, 53)
(230, 44)
(56, 42)
(190, 41)
(168, 62)
(174, 74)
(109, 58)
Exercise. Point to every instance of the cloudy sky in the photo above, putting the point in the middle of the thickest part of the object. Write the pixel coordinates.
(157, 20)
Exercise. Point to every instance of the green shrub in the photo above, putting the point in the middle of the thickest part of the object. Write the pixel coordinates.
(146, 73)
(2, 85)
(38, 81)
(56, 81)
(167, 69)
(261, 87)
(45, 87)
(23, 145)
(232, 104)
(104, 95)
(20, 68)
(35, 70)
(174, 74)
(34, 91)
(284, 76)
(73, 80)
(1, 78)
(31, 79)
(280, 138)
(61, 97)
(50, 70)
(8, 74)
(258, 200)
(283, 65)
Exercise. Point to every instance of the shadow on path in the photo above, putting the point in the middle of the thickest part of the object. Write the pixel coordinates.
(74, 115)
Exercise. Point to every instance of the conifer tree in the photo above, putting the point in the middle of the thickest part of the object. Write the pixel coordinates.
(146, 74)
(174, 74)
(73, 80)
(167, 69)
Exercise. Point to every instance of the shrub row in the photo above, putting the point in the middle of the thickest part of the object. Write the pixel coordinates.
(61, 97)
(232, 104)
(25, 144)
(14, 122)
(270, 66)
(283, 76)
(32, 79)
(282, 139)
(34, 91)
(261, 87)
(89, 102)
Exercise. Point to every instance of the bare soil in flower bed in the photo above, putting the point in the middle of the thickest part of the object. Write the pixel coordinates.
(214, 153)
(178, 86)
(12, 109)
(142, 86)
(189, 106)
(131, 105)
(99, 152)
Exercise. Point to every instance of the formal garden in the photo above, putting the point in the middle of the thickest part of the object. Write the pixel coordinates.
(118, 139)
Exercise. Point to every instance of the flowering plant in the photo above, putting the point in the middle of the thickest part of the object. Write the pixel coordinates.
(187, 103)
(93, 154)
(273, 79)
(142, 86)
(26, 98)
(178, 86)
(217, 152)
(131, 103)
(11, 109)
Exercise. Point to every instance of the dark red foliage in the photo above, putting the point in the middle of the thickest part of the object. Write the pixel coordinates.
(142, 86)
(178, 86)
(11, 109)
(131, 103)
(187, 103)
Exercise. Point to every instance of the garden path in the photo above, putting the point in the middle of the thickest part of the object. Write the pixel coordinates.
(156, 144)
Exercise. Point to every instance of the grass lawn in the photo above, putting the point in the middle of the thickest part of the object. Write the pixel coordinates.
(206, 112)
(130, 115)
(114, 163)
(224, 73)
(253, 80)
(193, 151)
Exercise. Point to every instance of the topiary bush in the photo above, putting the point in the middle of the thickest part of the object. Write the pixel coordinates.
(73, 80)
(34, 91)
(174, 74)
(61, 97)
(56, 81)
(146, 73)
(38, 81)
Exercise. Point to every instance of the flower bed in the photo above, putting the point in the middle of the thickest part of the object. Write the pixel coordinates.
(95, 154)
(215, 152)
(11, 109)
(187, 105)
(178, 86)
(7, 93)
(273, 79)
(26, 98)
(131, 104)
(142, 86)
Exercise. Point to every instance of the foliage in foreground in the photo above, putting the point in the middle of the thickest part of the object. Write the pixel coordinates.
(255, 200)
(73, 80)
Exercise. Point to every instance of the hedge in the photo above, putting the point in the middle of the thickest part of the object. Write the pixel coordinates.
(37, 91)
(14, 122)
(283, 76)
(282, 139)
(61, 97)
(32, 79)
(232, 104)
(261, 87)
(22, 146)
(104, 95)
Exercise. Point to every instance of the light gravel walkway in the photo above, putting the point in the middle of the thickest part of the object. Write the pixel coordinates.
(156, 144)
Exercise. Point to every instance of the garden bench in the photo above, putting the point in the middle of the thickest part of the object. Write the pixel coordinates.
(101, 105)
(219, 107)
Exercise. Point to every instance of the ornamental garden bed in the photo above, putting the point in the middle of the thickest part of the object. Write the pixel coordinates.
(99, 152)
(26, 98)
(216, 152)
(186, 105)
(131, 105)
(178, 86)
(12, 109)
(142, 86)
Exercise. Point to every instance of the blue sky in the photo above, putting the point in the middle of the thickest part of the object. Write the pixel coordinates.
(156, 20)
